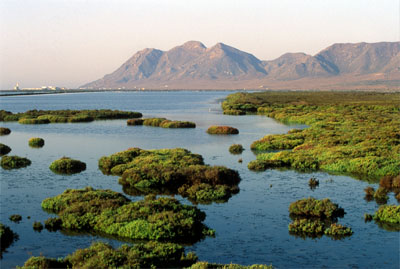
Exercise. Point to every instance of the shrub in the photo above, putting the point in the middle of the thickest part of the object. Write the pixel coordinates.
(15, 218)
(388, 213)
(102, 255)
(67, 165)
(134, 122)
(236, 149)
(177, 124)
(207, 265)
(53, 224)
(338, 230)
(111, 213)
(14, 162)
(33, 121)
(313, 183)
(37, 226)
(4, 149)
(4, 131)
(224, 130)
(171, 171)
(306, 226)
(153, 121)
(311, 207)
(36, 142)
(381, 195)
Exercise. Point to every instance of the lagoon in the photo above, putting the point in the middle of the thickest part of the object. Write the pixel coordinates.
(252, 227)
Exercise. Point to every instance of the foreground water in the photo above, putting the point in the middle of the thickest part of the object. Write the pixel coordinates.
(252, 227)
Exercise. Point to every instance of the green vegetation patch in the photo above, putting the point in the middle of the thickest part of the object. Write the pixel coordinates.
(7, 237)
(172, 171)
(102, 255)
(111, 213)
(162, 122)
(311, 207)
(313, 218)
(206, 265)
(388, 213)
(15, 218)
(236, 149)
(222, 130)
(14, 162)
(349, 132)
(37, 226)
(36, 142)
(67, 165)
(4, 131)
(4, 149)
(63, 116)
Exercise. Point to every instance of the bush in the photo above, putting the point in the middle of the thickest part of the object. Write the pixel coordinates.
(33, 121)
(153, 121)
(53, 224)
(14, 162)
(37, 226)
(311, 207)
(4, 131)
(67, 165)
(111, 213)
(388, 213)
(206, 265)
(224, 130)
(4, 149)
(313, 183)
(134, 122)
(15, 218)
(177, 124)
(236, 149)
(36, 142)
(306, 226)
(171, 171)
(102, 255)
(338, 230)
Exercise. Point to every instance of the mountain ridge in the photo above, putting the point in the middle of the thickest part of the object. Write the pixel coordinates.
(194, 66)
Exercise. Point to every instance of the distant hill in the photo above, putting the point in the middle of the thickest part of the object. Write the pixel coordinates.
(194, 66)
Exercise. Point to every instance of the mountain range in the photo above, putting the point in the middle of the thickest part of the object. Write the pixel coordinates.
(194, 66)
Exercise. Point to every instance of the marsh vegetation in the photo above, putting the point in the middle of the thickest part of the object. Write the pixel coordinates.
(222, 130)
(66, 165)
(36, 142)
(4, 149)
(161, 122)
(14, 162)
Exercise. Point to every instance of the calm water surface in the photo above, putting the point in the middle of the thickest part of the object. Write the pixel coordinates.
(252, 227)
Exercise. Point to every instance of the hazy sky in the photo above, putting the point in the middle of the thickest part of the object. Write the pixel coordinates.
(72, 42)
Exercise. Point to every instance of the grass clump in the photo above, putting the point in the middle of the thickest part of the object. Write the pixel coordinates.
(37, 226)
(7, 237)
(388, 213)
(14, 162)
(177, 124)
(313, 218)
(236, 149)
(111, 213)
(207, 265)
(171, 171)
(15, 218)
(63, 116)
(36, 142)
(4, 131)
(313, 183)
(4, 149)
(222, 130)
(102, 255)
(155, 122)
(349, 132)
(67, 165)
(134, 122)
(311, 207)
(53, 224)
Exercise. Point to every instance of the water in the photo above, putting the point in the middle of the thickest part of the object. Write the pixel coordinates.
(252, 227)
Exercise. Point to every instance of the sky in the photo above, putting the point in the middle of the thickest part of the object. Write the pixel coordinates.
(68, 43)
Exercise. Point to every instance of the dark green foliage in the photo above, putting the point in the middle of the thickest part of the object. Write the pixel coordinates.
(4, 131)
(368, 217)
(67, 165)
(63, 116)
(313, 183)
(177, 124)
(223, 130)
(234, 112)
(102, 255)
(37, 226)
(171, 171)
(206, 265)
(153, 121)
(388, 213)
(307, 226)
(36, 142)
(15, 218)
(4, 149)
(108, 212)
(14, 162)
(53, 224)
(311, 207)
(350, 132)
(134, 122)
(236, 149)
(7, 237)
(338, 230)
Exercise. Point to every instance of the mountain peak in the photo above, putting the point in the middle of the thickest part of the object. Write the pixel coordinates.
(193, 45)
